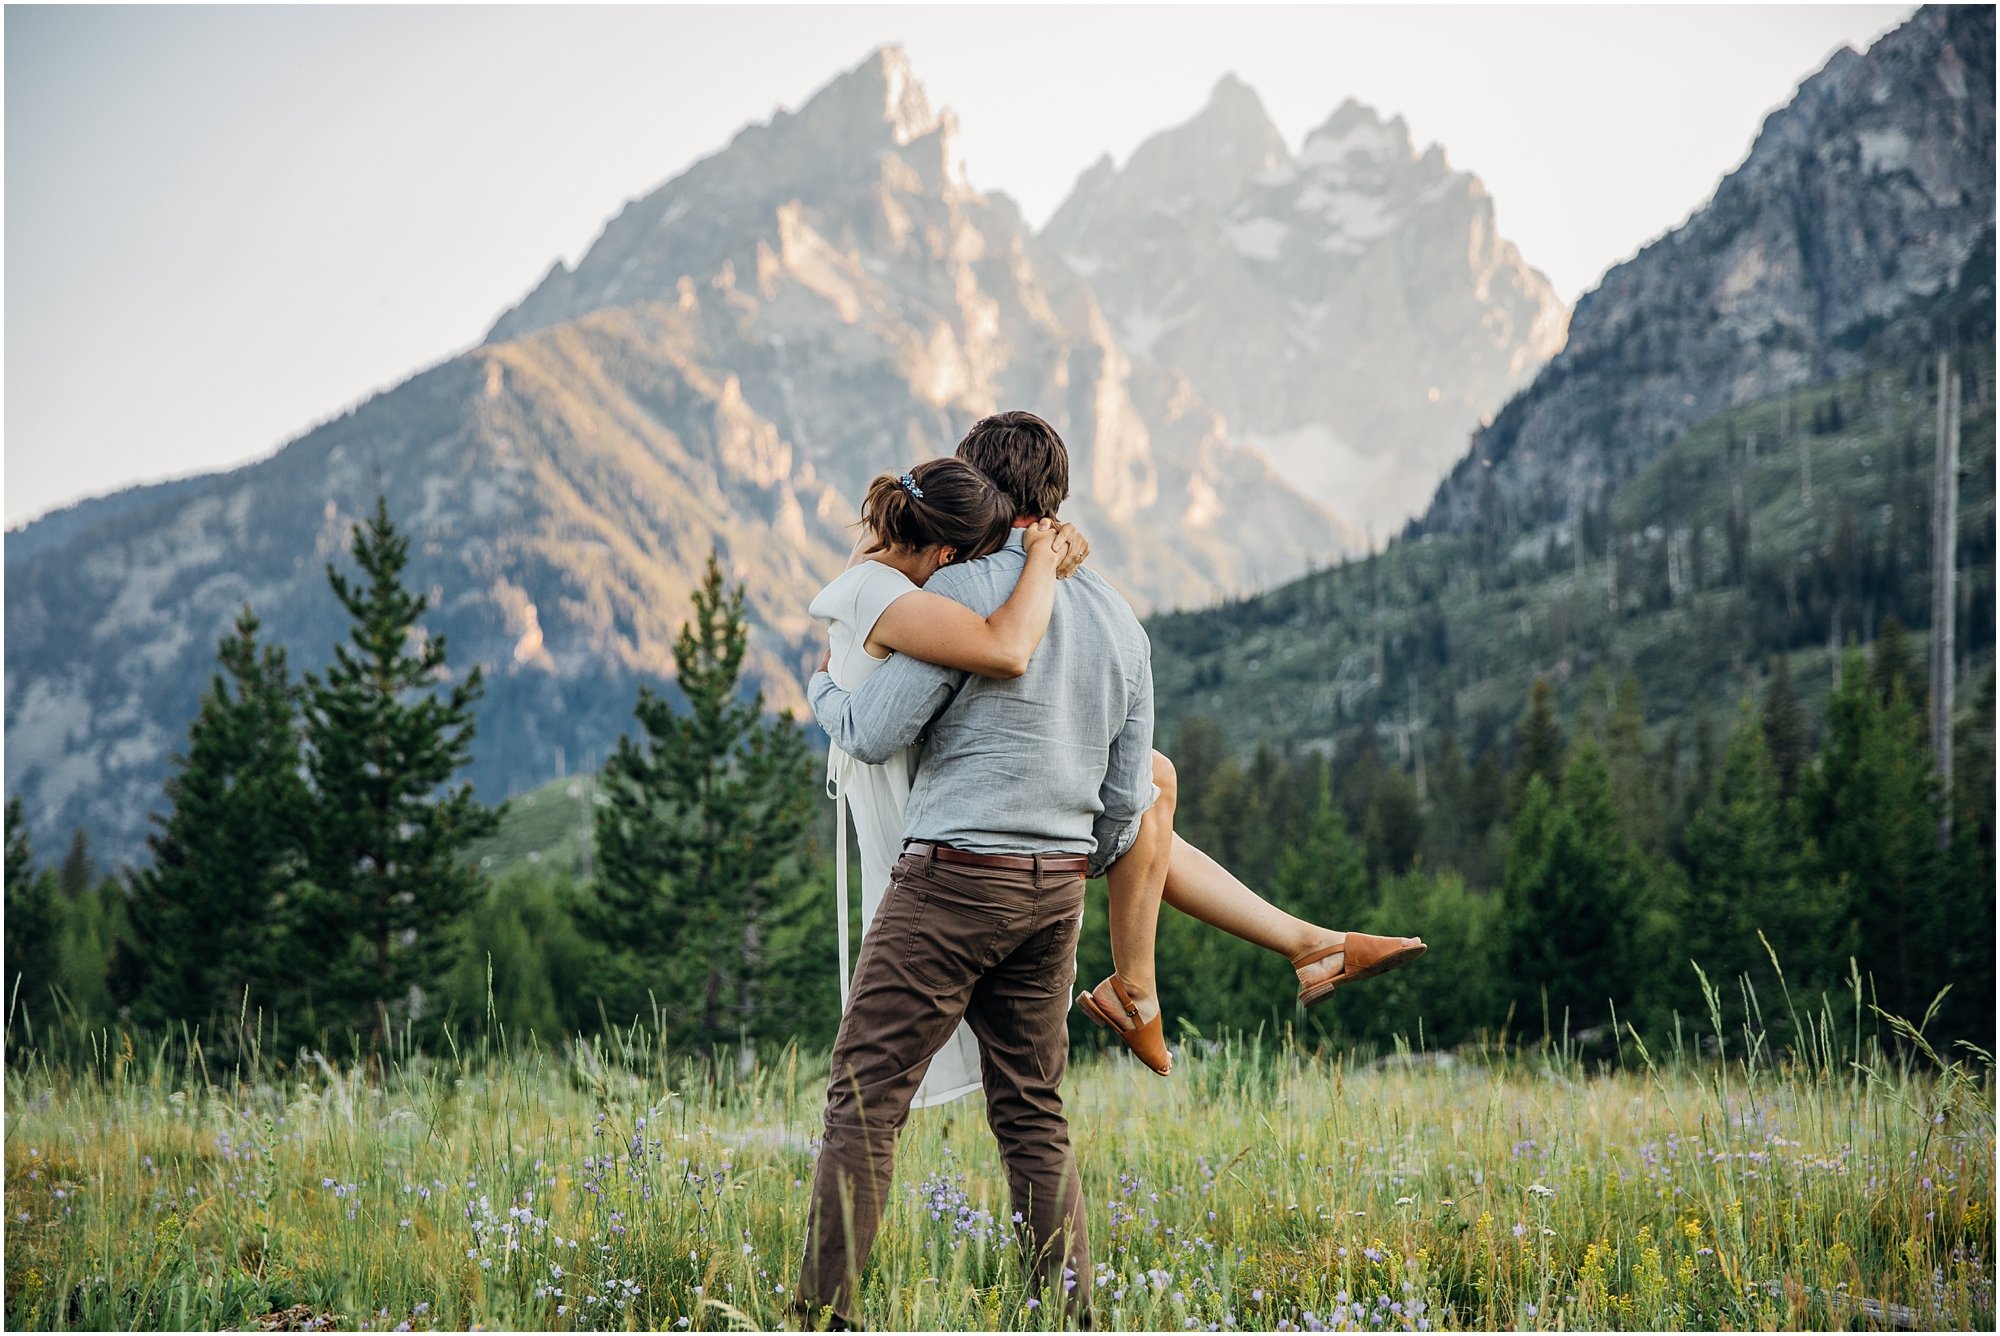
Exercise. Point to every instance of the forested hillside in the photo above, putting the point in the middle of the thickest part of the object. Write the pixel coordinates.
(1577, 759)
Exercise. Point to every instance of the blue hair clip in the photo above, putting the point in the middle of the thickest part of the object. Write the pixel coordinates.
(911, 483)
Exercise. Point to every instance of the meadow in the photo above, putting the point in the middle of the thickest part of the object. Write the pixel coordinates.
(1844, 1179)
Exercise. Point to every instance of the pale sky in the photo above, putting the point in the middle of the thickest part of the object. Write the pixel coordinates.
(224, 225)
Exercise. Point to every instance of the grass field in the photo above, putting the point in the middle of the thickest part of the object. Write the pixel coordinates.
(1259, 1188)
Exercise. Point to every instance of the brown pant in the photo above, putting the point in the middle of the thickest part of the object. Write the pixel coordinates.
(998, 948)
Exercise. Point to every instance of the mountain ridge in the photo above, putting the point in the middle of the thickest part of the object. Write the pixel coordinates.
(1879, 161)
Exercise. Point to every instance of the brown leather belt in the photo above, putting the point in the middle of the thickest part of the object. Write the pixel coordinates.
(944, 853)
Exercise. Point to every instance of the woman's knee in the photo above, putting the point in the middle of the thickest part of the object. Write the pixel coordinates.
(1166, 778)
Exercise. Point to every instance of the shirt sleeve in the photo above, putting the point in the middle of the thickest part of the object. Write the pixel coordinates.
(1128, 788)
(889, 711)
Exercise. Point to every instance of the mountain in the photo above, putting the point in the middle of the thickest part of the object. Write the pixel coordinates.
(1865, 206)
(1351, 308)
(733, 359)
(1692, 576)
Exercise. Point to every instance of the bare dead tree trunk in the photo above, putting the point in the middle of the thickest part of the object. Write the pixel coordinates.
(1944, 570)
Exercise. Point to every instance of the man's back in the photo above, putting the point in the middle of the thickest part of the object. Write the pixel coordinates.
(1058, 760)
(1020, 765)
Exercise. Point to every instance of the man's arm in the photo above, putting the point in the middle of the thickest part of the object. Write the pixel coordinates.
(888, 712)
(1127, 790)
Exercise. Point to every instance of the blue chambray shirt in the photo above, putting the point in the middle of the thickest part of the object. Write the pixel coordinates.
(1058, 760)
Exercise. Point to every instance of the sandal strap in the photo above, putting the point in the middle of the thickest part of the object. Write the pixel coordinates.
(1309, 957)
(1124, 998)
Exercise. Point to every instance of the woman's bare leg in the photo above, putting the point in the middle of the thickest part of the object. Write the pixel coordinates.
(1135, 883)
(1202, 888)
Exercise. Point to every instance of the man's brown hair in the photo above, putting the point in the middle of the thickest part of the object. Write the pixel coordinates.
(1024, 457)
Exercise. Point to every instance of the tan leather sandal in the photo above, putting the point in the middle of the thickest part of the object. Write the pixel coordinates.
(1367, 956)
(1147, 1039)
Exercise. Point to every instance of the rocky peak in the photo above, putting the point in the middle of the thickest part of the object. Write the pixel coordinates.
(1194, 168)
(1352, 309)
(1355, 139)
(1856, 222)
(871, 124)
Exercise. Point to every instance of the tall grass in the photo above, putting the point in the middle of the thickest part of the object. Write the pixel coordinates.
(1843, 1180)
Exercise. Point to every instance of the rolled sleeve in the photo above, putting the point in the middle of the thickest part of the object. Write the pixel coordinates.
(887, 714)
(1128, 790)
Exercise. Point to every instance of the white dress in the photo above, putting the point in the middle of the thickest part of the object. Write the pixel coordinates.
(878, 795)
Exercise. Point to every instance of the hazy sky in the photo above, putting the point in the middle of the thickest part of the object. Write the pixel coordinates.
(224, 225)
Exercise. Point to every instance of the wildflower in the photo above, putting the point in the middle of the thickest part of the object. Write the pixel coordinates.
(1540, 1190)
(1519, 1229)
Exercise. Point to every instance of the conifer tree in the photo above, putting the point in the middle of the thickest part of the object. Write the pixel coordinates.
(1784, 727)
(1871, 807)
(229, 848)
(1749, 873)
(1576, 903)
(1324, 877)
(1395, 825)
(704, 831)
(1538, 745)
(1969, 893)
(77, 869)
(33, 923)
(1892, 664)
(387, 884)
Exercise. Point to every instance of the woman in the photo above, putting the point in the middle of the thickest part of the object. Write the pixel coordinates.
(942, 511)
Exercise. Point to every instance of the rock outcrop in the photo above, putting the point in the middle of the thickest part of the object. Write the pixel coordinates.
(1866, 202)
(1351, 308)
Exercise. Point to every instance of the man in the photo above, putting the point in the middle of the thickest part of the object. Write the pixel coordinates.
(1026, 785)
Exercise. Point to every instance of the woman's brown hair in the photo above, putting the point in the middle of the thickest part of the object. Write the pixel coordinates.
(938, 501)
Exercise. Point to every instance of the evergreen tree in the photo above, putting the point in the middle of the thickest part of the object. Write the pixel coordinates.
(34, 924)
(1969, 891)
(1871, 806)
(1450, 786)
(1637, 791)
(1748, 873)
(229, 848)
(1785, 727)
(20, 858)
(387, 886)
(1538, 745)
(1575, 904)
(704, 832)
(1893, 665)
(1395, 826)
(1324, 877)
(78, 869)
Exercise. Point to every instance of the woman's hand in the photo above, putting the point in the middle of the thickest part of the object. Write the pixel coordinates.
(1075, 548)
(1044, 538)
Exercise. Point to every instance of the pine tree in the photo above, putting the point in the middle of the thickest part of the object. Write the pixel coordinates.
(1893, 665)
(1538, 745)
(387, 885)
(1324, 877)
(704, 831)
(1969, 889)
(34, 924)
(1785, 727)
(1636, 775)
(1395, 826)
(1871, 807)
(229, 848)
(1576, 904)
(78, 869)
(1748, 873)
